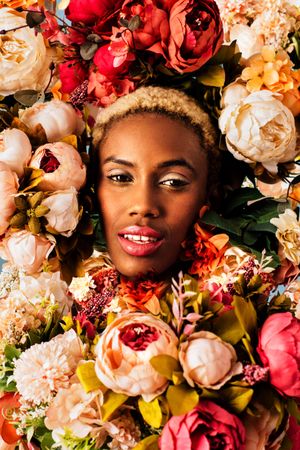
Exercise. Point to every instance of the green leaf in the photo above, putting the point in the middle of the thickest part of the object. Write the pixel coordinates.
(27, 97)
(165, 365)
(246, 315)
(151, 412)
(11, 352)
(225, 53)
(237, 398)
(212, 76)
(149, 443)
(293, 409)
(229, 225)
(181, 399)
(112, 401)
(88, 50)
(228, 327)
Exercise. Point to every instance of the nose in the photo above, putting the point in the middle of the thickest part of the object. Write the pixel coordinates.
(145, 203)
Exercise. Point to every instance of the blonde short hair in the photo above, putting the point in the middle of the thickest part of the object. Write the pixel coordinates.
(169, 102)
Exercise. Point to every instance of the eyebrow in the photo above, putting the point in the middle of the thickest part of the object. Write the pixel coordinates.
(170, 163)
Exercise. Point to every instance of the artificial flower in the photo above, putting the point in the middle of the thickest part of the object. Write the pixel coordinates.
(233, 94)
(208, 361)
(8, 435)
(80, 287)
(91, 11)
(208, 426)
(248, 42)
(123, 430)
(293, 433)
(288, 235)
(293, 292)
(196, 34)
(25, 250)
(24, 58)
(75, 410)
(141, 294)
(278, 350)
(63, 215)
(72, 74)
(57, 118)
(8, 188)
(260, 129)
(259, 427)
(45, 368)
(124, 351)
(108, 90)
(62, 166)
(15, 149)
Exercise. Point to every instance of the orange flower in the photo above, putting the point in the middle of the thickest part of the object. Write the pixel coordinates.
(17, 3)
(57, 94)
(207, 252)
(142, 295)
(273, 71)
(8, 432)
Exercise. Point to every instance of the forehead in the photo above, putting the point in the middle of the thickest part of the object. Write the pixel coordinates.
(152, 136)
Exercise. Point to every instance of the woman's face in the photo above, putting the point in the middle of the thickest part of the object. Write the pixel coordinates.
(152, 183)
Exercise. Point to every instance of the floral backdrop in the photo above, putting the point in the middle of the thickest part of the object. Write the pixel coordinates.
(210, 358)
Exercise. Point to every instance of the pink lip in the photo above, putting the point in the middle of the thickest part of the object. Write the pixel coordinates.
(135, 248)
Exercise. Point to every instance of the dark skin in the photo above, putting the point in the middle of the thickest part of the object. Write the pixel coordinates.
(153, 173)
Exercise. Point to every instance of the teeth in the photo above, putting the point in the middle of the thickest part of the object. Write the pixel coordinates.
(141, 239)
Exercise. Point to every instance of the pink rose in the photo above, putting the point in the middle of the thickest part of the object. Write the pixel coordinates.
(279, 350)
(62, 165)
(25, 250)
(107, 91)
(208, 426)
(71, 74)
(8, 188)
(124, 351)
(89, 11)
(196, 33)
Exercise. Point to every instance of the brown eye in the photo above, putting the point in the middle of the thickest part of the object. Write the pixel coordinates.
(120, 178)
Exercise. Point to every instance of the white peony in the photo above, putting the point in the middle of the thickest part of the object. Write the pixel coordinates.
(23, 62)
(8, 188)
(260, 129)
(288, 235)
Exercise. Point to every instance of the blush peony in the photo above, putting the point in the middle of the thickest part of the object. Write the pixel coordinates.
(58, 119)
(8, 188)
(208, 361)
(15, 149)
(278, 348)
(26, 250)
(208, 426)
(62, 166)
(260, 129)
(125, 349)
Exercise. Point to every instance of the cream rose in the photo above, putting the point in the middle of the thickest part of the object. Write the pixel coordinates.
(62, 165)
(288, 235)
(64, 211)
(23, 63)
(15, 149)
(207, 361)
(26, 250)
(58, 119)
(260, 129)
(125, 349)
(8, 188)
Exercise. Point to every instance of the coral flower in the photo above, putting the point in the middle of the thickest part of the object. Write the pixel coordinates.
(207, 251)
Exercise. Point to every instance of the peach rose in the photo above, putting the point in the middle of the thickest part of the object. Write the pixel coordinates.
(26, 250)
(58, 119)
(62, 165)
(8, 188)
(64, 211)
(208, 361)
(125, 349)
(15, 150)
(196, 34)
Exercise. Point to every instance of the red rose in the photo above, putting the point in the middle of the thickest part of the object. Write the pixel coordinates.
(196, 33)
(208, 426)
(89, 11)
(279, 350)
(108, 90)
(71, 74)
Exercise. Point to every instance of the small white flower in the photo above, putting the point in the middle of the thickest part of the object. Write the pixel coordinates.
(80, 287)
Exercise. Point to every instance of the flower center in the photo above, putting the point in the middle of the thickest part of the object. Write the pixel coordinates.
(138, 336)
(48, 162)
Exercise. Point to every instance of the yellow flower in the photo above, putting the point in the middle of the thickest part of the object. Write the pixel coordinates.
(271, 70)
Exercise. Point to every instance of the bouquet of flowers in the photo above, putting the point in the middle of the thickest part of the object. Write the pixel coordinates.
(207, 359)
